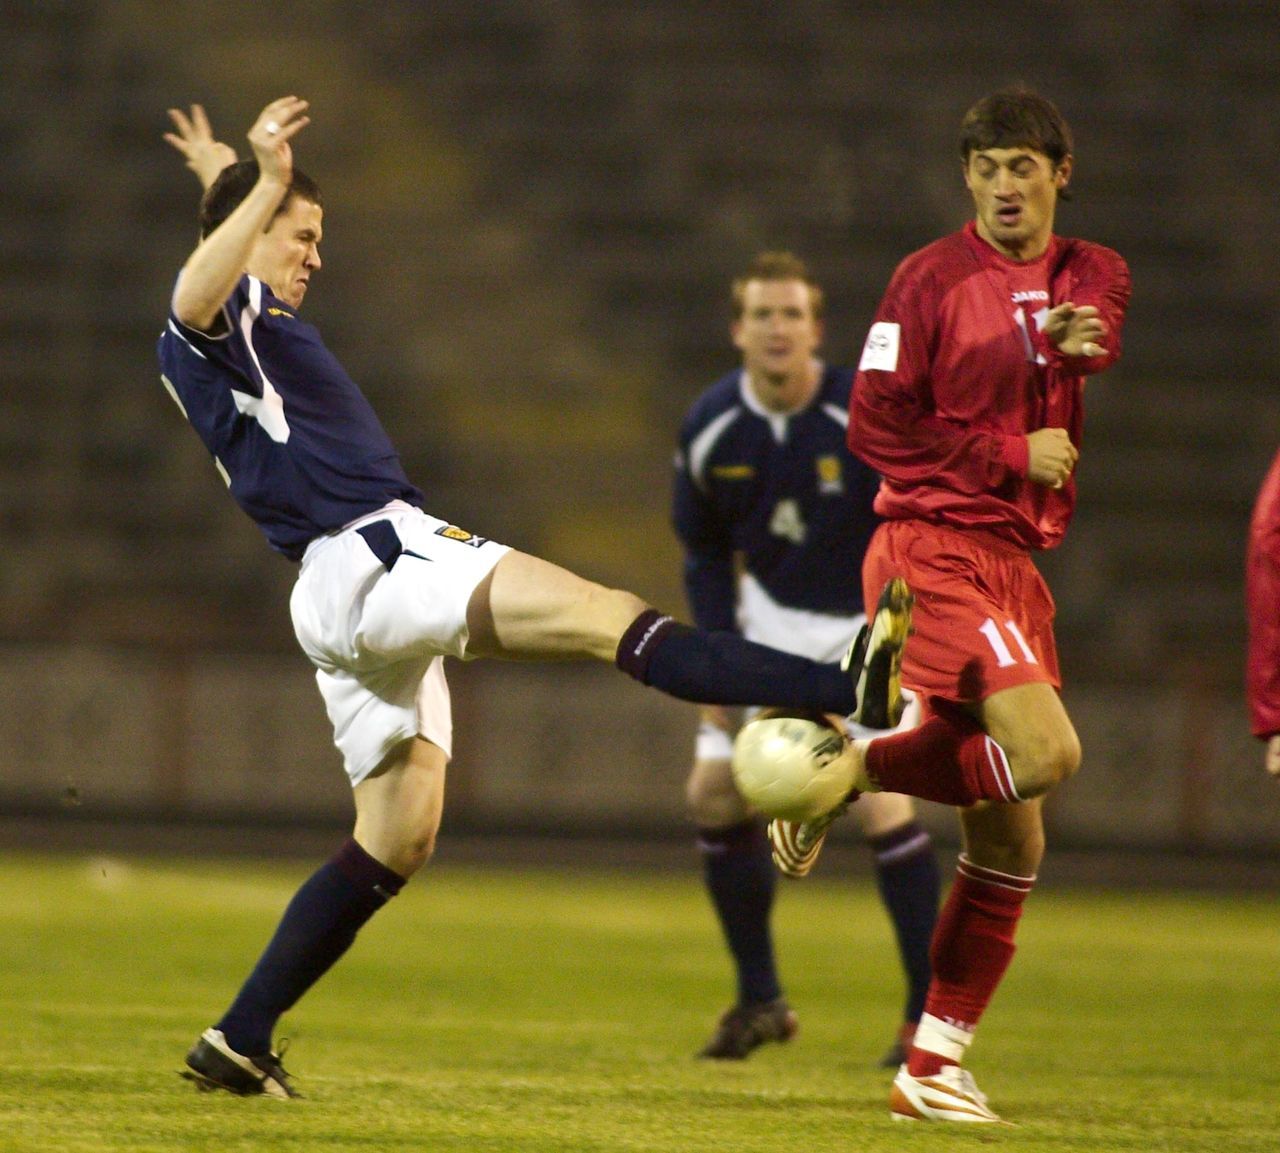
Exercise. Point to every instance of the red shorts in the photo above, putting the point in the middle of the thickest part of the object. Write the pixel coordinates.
(983, 618)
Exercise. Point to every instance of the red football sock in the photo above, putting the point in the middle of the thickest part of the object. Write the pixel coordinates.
(949, 759)
(972, 948)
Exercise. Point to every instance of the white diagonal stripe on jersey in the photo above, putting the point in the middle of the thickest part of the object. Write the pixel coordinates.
(838, 414)
(704, 442)
(267, 409)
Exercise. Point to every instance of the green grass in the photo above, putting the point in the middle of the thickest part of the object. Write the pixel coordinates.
(557, 1010)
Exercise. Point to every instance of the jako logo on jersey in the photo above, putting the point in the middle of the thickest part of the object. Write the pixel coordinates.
(830, 475)
(881, 350)
(1030, 294)
(733, 471)
(273, 311)
(453, 532)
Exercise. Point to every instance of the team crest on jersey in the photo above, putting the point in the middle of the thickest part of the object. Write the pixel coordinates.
(733, 471)
(453, 532)
(273, 311)
(830, 475)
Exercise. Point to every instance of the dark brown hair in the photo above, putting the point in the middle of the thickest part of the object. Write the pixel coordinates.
(236, 181)
(1015, 117)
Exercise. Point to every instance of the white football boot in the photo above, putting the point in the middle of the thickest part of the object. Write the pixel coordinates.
(951, 1094)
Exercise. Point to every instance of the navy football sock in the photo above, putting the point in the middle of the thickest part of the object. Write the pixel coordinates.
(724, 668)
(741, 880)
(908, 879)
(317, 928)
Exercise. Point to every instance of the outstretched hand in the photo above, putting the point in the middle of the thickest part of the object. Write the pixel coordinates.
(1075, 331)
(277, 124)
(205, 156)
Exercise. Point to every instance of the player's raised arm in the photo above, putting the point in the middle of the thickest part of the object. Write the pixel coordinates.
(213, 269)
(205, 155)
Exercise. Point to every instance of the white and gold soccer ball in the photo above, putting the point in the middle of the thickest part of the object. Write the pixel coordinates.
(793, 765)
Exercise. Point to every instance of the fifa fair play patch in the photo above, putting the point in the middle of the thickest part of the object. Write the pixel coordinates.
(881, 349)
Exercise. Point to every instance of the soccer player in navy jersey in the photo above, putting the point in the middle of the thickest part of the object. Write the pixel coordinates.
(384, 590)
(767, 502)
(969, 401)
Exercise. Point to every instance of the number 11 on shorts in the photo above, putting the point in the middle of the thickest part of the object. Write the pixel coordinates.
(1004, 654)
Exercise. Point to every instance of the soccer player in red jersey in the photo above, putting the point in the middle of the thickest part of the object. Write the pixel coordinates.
(969, 403)
(1262, 605)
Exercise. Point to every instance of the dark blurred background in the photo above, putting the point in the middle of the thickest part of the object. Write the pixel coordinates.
(533, 212)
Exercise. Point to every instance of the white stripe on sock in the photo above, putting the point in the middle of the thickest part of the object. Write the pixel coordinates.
(994, 876)
(908, 848)
(1001, 772)
(935, 1035)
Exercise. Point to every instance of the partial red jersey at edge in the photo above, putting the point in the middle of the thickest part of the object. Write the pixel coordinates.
(1262, 606)
(956, 371)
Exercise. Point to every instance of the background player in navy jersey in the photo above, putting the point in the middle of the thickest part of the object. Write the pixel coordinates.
(384, 590)
(764, 477)
(969, 401)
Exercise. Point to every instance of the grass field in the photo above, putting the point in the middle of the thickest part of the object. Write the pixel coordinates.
(535, 1010)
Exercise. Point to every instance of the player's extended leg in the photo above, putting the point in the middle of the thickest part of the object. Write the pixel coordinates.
(532, 609)
(1017, 744)
(740, 881)
(398, 811)
(907, 877)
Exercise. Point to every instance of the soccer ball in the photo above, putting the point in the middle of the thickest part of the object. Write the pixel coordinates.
(796, 766)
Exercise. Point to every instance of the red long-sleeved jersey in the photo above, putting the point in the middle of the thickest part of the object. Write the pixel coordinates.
(1262, 608)
(956, 371)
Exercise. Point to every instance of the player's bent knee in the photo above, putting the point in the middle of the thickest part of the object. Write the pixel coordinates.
(1044, 765)
(416, 853)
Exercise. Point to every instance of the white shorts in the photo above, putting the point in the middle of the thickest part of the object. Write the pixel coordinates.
(377, 634)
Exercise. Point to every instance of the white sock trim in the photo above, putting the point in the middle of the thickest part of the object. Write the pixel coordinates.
(1001, 772)
(935, 1035)
(1014, 881)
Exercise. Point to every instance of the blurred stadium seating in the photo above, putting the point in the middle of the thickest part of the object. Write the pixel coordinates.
(532, 213)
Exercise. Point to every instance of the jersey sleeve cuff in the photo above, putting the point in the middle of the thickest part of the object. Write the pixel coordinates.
(1015, 454)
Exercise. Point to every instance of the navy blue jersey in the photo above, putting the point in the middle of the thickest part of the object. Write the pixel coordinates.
(295, 439)
(781, 490)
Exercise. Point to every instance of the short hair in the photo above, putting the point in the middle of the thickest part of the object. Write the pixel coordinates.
(236, 181)
(1012, 117)
(777, 266)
